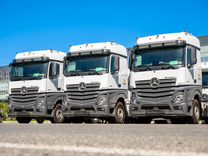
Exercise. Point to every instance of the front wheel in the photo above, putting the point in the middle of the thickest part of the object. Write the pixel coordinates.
(24, 120)
(120, 113)
(57, 114)
(196, 112)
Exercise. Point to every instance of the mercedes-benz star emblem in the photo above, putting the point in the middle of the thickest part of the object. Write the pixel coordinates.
(82, 86)
(204, 96)
(154, 82)
(24, 90)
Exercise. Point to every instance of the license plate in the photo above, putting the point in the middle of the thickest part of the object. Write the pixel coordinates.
(81, 113)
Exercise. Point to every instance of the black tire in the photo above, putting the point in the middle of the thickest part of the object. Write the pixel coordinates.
(206, 120)
(57, 114)
(120, 113)
(40, 120)
(52, 120)
(24, 120)
(196, 112)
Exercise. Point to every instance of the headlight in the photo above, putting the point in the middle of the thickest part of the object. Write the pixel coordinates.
(179, 99)
(10, 102)
(65, 103)
(40, 103)
(133, 97)
(102, 100)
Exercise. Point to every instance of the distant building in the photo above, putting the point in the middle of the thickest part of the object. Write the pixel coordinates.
(4, 83)
(204, 48)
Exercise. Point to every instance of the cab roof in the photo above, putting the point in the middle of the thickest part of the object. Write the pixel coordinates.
(51, 54)
(171, 37)
(112, 47)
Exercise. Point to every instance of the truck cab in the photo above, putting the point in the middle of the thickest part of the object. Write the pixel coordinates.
(96, 82)
(36, 86)
(205, 88)
(165, 77)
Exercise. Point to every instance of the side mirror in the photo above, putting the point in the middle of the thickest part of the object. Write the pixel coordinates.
(192, 57)
(131, 60)
(53, 70)
(115, 63)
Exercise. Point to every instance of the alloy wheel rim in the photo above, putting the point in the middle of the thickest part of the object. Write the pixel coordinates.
(120, 114)
(196, 112)
(59, 114)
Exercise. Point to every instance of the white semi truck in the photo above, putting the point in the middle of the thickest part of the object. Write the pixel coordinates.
(97, 82)
(205, 89)
(36, 86)
(165, 77)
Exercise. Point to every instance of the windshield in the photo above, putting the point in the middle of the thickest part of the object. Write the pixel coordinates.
(204, 59)
(86, 65)
(205, 79)
(29, 71)
(157, 59)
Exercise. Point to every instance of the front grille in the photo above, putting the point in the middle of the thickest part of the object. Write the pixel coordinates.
(28, 97)
(88, 95)
(164, 90)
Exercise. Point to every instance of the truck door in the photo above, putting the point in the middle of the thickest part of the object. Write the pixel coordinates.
(114, 70)
(191, 61)
(53, 84)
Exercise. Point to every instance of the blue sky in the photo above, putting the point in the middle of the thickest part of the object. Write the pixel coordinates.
(27, 25)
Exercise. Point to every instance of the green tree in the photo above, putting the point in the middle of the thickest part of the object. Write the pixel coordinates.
(4, 110)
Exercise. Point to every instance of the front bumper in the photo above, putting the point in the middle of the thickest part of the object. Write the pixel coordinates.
(95, 107)
(89, 110)
(159, 109)
(26, 113)
(28, 108)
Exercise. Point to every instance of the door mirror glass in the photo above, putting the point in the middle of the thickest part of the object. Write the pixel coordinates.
(131, 59)
(191, 56)
(54, 70)
(114, 64)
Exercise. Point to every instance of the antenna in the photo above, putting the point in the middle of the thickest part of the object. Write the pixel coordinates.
(69, 47)
(186, 31)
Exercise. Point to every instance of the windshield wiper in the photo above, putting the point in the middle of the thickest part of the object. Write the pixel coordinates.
(74, 73)
(146, 67)
(17, 77)
(94, 72)
(167, 65)
(36, 77)
(91, 72)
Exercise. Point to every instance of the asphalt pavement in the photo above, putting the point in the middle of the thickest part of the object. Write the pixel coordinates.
(103, 139)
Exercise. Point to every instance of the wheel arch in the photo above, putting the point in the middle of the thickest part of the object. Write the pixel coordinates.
(58, 100)
(121, 98)
(197, 96)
